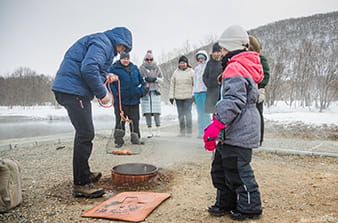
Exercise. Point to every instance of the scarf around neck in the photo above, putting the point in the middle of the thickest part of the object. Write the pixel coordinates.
(149, 66)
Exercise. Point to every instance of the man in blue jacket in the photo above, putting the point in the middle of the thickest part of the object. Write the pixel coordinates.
(132, 89)
(80, 77)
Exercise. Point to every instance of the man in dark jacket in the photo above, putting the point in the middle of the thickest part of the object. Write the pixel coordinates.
(132, 89)
(80, 77)
(211, 72)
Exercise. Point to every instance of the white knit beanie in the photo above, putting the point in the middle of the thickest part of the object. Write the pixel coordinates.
(234, 38)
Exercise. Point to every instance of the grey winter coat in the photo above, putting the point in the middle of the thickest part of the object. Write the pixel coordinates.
(151, 101)
(239, 95)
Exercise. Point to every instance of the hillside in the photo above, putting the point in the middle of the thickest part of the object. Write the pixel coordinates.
(302, 54)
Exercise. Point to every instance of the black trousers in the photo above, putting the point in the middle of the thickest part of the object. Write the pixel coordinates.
(132, 112)
(80, 114)
(260, 111)
(234, 179)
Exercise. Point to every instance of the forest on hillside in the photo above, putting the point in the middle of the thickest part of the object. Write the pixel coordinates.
(302, 55)
(25, 87)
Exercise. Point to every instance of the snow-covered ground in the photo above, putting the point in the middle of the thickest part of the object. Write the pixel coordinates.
(21, 122)
(280, 112)
(284, 113)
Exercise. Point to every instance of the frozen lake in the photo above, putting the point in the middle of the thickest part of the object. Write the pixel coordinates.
(19, 122)
(19, 127)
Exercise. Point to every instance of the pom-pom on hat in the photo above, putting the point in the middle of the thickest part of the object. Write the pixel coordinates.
(149, 55)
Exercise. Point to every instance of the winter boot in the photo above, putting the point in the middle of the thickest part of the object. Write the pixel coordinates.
(88, 191)
(158, 132)
(239, 216)
(118, 137)
(217, 211)
(95, 176)
(150, 133)
(135, 139)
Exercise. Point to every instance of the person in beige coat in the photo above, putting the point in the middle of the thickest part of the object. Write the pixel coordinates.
(180, 91)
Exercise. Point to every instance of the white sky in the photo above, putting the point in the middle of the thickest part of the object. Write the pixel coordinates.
(36, 33)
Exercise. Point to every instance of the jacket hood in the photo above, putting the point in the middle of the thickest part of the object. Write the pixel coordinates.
(202, 52)
(121, 35)
(251, 63)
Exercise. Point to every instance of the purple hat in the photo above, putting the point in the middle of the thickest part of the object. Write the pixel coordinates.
(149, 55)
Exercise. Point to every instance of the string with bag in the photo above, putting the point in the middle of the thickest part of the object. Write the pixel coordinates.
(123, 118)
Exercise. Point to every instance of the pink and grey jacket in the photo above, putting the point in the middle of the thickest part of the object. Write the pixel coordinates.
(239, 94)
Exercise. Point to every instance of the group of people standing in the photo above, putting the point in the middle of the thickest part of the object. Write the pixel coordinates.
(227, 87)
(199, 86)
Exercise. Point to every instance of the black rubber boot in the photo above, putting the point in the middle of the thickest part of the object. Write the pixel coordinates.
(238, 216)
(118, 137)
(217, 211)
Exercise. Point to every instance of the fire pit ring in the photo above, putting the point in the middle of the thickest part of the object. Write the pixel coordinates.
(133, 173)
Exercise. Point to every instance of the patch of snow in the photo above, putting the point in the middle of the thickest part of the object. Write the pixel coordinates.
(279, 112)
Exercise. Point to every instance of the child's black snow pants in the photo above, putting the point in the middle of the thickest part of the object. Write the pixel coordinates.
(234, 179)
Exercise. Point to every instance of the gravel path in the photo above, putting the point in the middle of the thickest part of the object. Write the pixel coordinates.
(294, 188)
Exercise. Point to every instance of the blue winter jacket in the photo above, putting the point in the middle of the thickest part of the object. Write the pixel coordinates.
(86, 63)
(131, 83)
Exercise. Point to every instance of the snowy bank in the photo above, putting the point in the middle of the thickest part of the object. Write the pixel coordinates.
(279, 112)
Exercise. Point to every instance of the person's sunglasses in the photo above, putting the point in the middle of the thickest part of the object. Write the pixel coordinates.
(149, 59)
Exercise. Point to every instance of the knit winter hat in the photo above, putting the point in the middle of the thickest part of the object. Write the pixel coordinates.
(149, 55)
(234, 38)
(201, 56)
(124, 55)
(183, 59)
(216, 48)
(254, 45)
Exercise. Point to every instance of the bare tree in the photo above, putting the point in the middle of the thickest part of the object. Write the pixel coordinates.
(25, 87)
(326, 77)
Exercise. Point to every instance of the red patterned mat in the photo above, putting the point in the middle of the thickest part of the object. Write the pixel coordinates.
(128, 206)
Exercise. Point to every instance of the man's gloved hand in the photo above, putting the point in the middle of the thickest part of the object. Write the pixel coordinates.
(150, 79)
(211, 133)
(171, 101)
(110, 77)
(261, 97)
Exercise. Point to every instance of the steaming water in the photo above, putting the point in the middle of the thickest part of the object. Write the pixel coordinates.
(20, 127)
(29, 122)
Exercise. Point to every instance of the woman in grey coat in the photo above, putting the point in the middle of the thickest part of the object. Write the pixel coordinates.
(151, 101)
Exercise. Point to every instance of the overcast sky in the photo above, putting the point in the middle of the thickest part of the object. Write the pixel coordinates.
(36, 33)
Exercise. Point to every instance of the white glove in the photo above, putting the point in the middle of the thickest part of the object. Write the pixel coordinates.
(261, 96)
